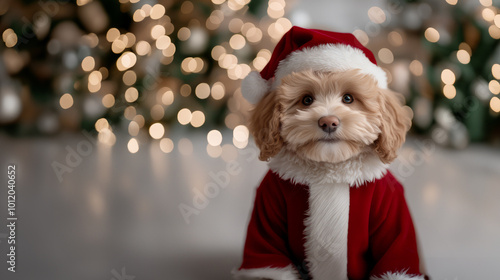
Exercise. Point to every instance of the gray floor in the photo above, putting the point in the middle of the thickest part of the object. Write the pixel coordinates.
(116, 214)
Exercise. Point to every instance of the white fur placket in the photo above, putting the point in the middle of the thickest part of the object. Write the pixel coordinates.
(326, 231)
(327, 220)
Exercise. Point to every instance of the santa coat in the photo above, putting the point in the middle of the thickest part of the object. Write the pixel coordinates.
(354, 224)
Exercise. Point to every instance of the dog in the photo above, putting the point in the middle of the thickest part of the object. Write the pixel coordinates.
(330, 117)
(328, 127)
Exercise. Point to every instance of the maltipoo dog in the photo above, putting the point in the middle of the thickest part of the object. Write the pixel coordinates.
(328, 126)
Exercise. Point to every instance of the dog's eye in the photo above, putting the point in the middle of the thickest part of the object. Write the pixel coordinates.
(307, 100)
(347, 98)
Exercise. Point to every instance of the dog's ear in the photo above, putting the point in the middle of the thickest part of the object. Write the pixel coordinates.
(265, 122)
(395, 122)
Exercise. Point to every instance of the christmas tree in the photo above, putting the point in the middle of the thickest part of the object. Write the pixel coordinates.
(148, 66)
(445, 57)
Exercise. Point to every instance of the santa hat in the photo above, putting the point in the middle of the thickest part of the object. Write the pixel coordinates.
(303, 49)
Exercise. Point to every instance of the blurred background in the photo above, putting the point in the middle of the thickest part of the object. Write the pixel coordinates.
(126, 124)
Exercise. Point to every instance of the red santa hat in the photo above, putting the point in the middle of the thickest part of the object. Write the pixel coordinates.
(303, 49)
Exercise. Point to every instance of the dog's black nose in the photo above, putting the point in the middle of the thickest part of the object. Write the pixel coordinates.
(328, 123)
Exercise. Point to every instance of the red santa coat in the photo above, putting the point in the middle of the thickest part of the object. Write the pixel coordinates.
(374, 240)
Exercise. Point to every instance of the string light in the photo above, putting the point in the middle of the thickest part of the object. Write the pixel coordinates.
(147, 9)
(235, 25)
(184, 116)
(218, 91)
(376, 15)
(139, 119)
(254, 35)
(169, 51)
(130, 112)
(496, 20)
(157, 11)
(82, 2)
(361, 36)
(432, 35)
(494, 87)
(108, 100)
(495, 104)
(154, 39)
(449, 91)
(133, 146)
(104, 73)
(131, 94)
(276, 9)
(157, 112)
(495, 71)
(197, 119)
(237, 42)
(157, 31)
(416, 68)
(101, 124)
(129, 78)
(139, 15)
(262, 58)
(386, 55)
(130, 38)
(214, 137)
(163, 42)
(241, 133)
(66, 101)
(112, 34)
(142, 48)
(452, 2)
(217, 52)
(488, 14)
(126, 60)
(9, 37)
(202, 91)
(395, 38)
(95, 77)
(107, 137)
(214, 151)
(448, 77)
(486, 3)
(88, 64)
(185, 90)
(187, 7)
(463, 56)
(166, 145)
(133, 128)
(157, 130)
(184, 34)
(494, 32)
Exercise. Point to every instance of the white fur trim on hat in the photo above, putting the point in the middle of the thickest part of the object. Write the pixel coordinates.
(285, 273)
(329, 58)
(254, 87)
(398, 276)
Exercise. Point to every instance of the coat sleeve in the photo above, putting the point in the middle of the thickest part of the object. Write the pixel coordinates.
(393, 242)
(266, 252)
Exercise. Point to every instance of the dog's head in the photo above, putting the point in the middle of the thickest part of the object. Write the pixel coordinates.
(330, 117)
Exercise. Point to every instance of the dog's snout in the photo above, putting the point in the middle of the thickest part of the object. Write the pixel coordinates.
(328, 123)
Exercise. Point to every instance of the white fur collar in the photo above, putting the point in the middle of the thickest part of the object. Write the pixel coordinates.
(355, 171)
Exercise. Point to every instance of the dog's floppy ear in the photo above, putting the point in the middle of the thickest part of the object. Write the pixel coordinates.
(265, 124)
(395, 122)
